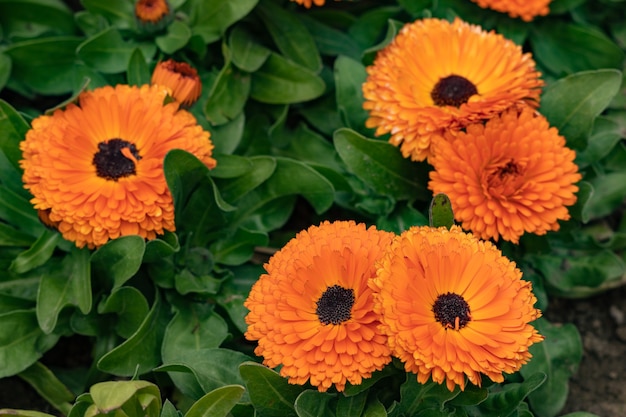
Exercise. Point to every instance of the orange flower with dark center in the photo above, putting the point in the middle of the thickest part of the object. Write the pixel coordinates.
(509, 176)
(151, 11)
(437, 75)
(527, 10)
(312, 311)
(95, 169)
(180, 78)
(453, 307)
(309, 3)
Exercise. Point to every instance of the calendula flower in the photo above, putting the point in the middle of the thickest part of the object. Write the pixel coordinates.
(436, 75)
(95, 169)
(527, 10)
(312, 311)
(180, 78)
(152, 14)
(510, 175)
(309, 3)
(454, 307)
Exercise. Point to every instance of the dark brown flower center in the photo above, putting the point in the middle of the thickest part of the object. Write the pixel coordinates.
(335, 305)
(116, 158)
(452, 311)
(453, 90)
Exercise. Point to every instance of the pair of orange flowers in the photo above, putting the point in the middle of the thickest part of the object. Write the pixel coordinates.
(95, 168)
(465, 100)
(339, 300)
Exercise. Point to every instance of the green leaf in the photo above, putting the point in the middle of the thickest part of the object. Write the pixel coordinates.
(381, 166)
(440, 212)
(330, 41)
(503, 400)
(48, 386)
(558, 356)
(111, 396)
(227, 137)
(605, 135)
(37, 254)
(107, 52)
(416, 397)
(271, 394)
(401, 218)
(138, 72)
(142, 351)
(235, 291)
(349, 77)
(69, 285)
(228, 95)
(5, 69)
(118, 260)
(7, 412)
(607, 195)
(178, 34)
(352, 406)
(246, 54)
(237, 248)
(211, 18)
(13, 129)
(32, 18)
(312, 403)
(131, 307)
(259, 169)
(571, 104)
(45, 65)
(120, 13)
(195, 327)
(217, 403)
(566, 48)
(22, 342)
(280, 81)
(290, 36)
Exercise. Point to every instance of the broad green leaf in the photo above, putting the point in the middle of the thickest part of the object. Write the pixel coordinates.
(119, 12)
(571, 104)
(142, 351)
(375, 409)
(440, 212)
(107, 52)
(280, 81)
(118, 260)
(201, 284)
(607, 195)
(178, 34)
(381, 166)
(233, 189)
(169, 410)
(37, 254)
(10, 303)
(235, 291)
(290, 36)
(13, 129)
(237, 248)
(69, 286)
(415, 397)
(392, 31)
(231, 166)
(211, 18)
(8, 412)
(158, 249)
(349, 77)
(22, 342)
(322, 113)
(605, 135)
(138, 72)
(562, 6)
(567, 48)
(312, 403)
(45, 65)
(401, 218)
(48, 386)
(351, 406)
(194, 327)
(371, 26)
(5, 69)
(112, 396)
(271, 394)
(227, 137)
(131, 307)
(247, 54)
(227, 96)
(32, 18)
(504, 401)
(217, 403)
(90, 23)
(558, 356)
(330, 41)
(16, 210)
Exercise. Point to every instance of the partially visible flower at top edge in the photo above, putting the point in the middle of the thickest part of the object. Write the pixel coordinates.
(510, 175)
(453, 307)
(527, 10)
(312, 312)
(180, 78)
(153, 15)
(436, 75)
(95, 169)
(309, 3)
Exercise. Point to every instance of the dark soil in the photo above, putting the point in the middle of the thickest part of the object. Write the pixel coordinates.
(599, 387)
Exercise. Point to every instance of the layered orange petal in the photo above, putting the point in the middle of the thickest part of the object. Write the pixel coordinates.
(285, 304)
(180, 78)
(507, 177)
(527, 10)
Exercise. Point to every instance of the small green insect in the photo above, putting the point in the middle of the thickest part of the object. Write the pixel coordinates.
(440, 212)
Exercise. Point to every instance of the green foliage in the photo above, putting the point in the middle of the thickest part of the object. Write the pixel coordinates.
(164, 319)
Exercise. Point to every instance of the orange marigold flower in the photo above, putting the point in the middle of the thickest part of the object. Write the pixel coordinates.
(309, 3)
(96, 168)
(512, 175)
(527, 10)
(151, 11)
(180, 78)
(312, 311)
(437, 75)
(453, 306)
